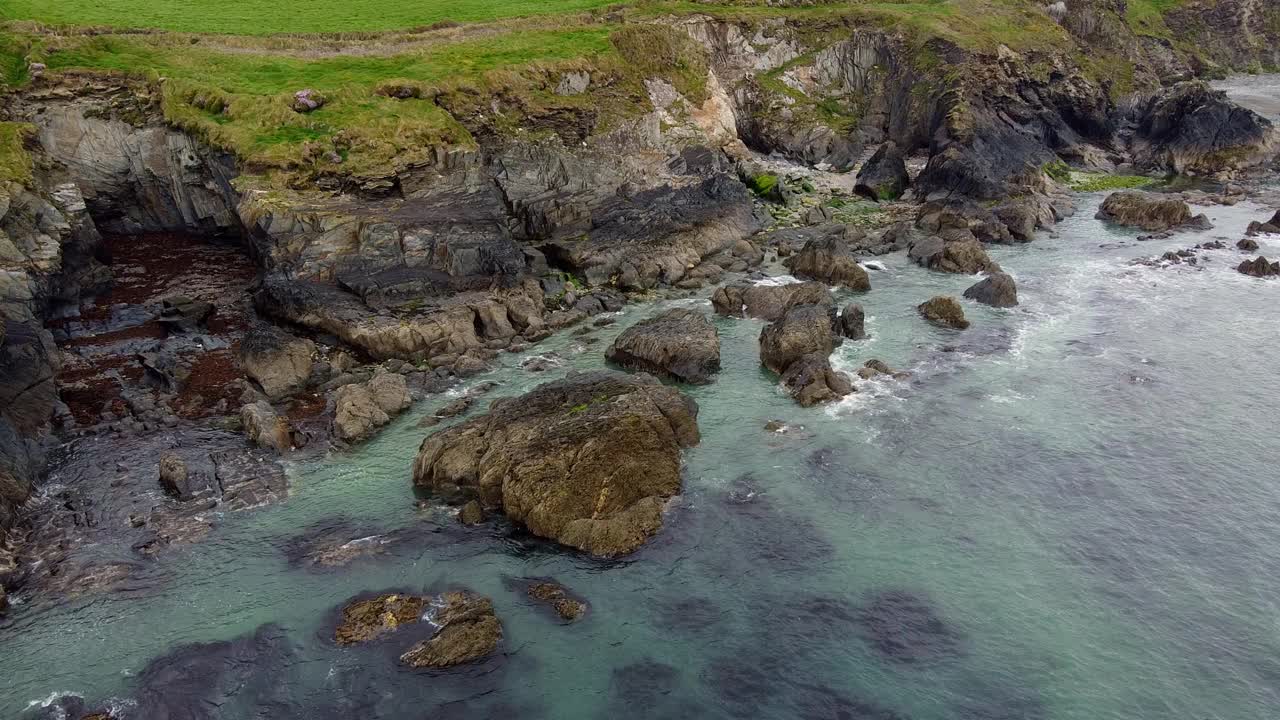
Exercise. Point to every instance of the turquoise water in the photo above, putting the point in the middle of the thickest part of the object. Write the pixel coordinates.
(1070, 511)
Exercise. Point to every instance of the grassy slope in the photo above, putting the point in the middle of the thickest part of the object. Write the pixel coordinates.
(259, 17)
(236, 91)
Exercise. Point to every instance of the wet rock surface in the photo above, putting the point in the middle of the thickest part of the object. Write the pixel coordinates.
(556, 598)
(945, 311)
(679, 344)
(801, 331)
(964, 257)
(829, 259)
(588, 461)
(1147, 211)
(467, 630)
(768, 302)
(997, 290)
(364, 620)
(812, 381)
(1260, 267)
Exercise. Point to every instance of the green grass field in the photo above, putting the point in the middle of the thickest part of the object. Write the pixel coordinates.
(264, 17)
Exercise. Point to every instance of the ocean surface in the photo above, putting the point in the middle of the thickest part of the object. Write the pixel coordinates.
(1070, 511)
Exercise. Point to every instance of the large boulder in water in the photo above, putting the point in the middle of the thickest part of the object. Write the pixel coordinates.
(945, 311)
(884, 176)
(362, 408)
(997, 290)
(1259, 267)
(1144, 210)
(1190, 128)
(365, 620)
(964, 257)
(279, 362)
(829, 259)
(811, 380)
(588, 461)
(680, 344)
(768, 302)
(853, 321)
(803, 330)
(467, 629)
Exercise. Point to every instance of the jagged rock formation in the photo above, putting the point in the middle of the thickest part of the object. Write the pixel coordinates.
(829, 259)
(588, 461)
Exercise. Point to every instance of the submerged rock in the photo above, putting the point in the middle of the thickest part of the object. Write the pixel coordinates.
(588, 461)
(829, 260)
(997, 290)
(884, 176)
(557, 598)
(680, 344)
(768, 302)
(944, 310)
(802, 330)
(1144, 210)
(904, 628)
(365, 620)
(1259, 267)
(468, 630)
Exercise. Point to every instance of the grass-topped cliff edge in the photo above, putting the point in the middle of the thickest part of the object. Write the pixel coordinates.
(399, 80)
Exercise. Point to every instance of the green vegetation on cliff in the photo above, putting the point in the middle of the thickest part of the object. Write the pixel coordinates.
(15, 161)
(254, 17)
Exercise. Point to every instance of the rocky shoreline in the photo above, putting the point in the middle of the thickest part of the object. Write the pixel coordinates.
(173, 333)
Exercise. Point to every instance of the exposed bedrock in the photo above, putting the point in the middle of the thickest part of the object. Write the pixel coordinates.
(588, 461)
(1190, 128)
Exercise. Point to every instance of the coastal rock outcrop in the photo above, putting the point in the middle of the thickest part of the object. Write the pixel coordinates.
(1190, 128)
(362, 408)
(1269, 226)
(884, 176)
(853, 322)
(768, 302)
(945, 311)
(801, 331)
(829, 260)
(1260, 267)
(365, 620)
(680, 344)
(467, 630)
(811, 380)
(997, 290)
(588, 461)
(1144, 210)
(964, 257)
(279, 362)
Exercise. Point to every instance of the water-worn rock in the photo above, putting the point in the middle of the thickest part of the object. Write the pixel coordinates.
(802, 330)
(853, 321)
(884, 175)
(829, 260)
(964, 257)
(681, 344)
(279, 362)
(1247, 244)
(178, 480)
(768, 302)
(362, 408)
(943, 310)
(467, 630)
(997, 290)
(811, 380)
(555, 596)
(364, 620)
(264, 427)
(588, 461)
(1259, 267)
(183, 314)
(1144, 210)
